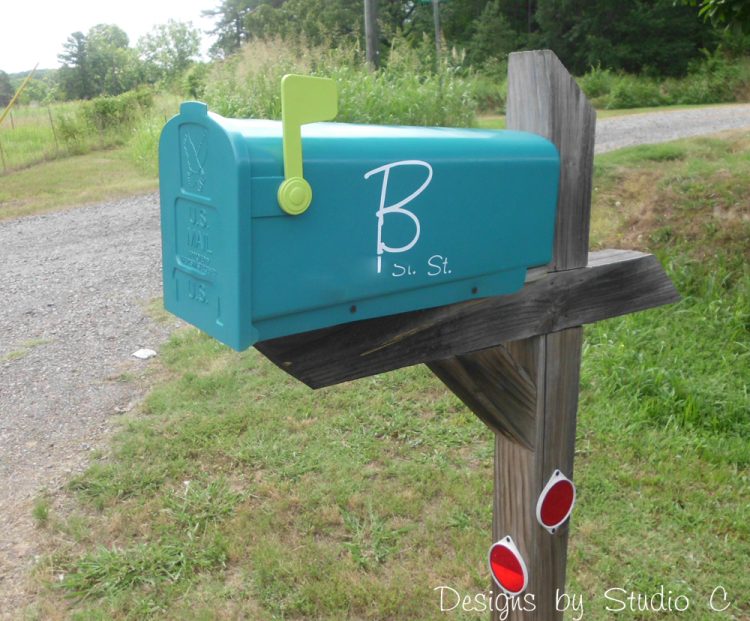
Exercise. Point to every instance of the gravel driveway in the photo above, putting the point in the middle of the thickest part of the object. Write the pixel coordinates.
(653, 127)
(75, 288)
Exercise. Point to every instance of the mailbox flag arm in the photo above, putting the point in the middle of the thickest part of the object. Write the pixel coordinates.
(304, 99)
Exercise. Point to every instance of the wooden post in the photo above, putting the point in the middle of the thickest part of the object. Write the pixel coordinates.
(513, 359)
(54, 131)
(544, 99)
(2, 158)
(371, 33)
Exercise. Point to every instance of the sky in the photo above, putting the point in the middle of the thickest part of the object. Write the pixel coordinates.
(35, 31)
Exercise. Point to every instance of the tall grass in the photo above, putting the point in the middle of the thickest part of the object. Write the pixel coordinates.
(411, 89)
(73, 128)
(143, 138)
(29, 136)
(408, 90)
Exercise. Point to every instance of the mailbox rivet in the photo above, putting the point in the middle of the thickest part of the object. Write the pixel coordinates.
(297, 195)
(353, 308)
(474, 290)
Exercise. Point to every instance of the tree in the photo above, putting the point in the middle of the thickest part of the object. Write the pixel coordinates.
(75, 74)
(98, 63)
(169, 50)
(318, 22)
(6, 89)
(493, 37)
(43, 88)
(730, 13)
(457, 18)
(520, 14)
(114, 66)
(630, 35)
(230, 28)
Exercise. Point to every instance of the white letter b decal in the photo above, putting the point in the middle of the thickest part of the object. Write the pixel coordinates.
(397, 208)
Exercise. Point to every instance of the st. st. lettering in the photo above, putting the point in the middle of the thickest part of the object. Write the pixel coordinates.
(437, 265)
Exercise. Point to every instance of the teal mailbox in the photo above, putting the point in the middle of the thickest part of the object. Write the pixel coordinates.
(274, 228)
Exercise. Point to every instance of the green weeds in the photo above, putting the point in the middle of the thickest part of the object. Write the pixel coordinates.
(41, 511)
(713, 79)
(407, 91)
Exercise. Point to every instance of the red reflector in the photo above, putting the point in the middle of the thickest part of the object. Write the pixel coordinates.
(507, 567)
(556, 502)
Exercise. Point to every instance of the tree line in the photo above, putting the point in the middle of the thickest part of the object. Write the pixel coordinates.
(102, 62)
(657, 37)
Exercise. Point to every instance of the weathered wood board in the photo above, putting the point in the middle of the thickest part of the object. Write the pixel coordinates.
(615, 282)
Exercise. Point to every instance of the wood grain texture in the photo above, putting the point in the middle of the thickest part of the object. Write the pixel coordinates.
(520, 474)
(543, 98)
(615, 282)
(496, 388)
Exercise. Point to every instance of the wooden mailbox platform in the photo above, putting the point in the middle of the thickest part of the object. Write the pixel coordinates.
(513, 360)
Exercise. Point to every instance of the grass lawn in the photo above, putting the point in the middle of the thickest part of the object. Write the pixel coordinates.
(239, 493)
(72, 182)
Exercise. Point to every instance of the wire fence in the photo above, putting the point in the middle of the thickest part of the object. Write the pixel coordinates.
(30, 134)
(37, 133)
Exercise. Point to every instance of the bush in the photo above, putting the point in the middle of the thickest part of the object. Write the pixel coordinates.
(634, 92)
(73, 132)
(408, 90)
(105, 113)
(143, 146)
(713, 79)
(490, 93)
(101, 122)
(597, 82)
(194, 82)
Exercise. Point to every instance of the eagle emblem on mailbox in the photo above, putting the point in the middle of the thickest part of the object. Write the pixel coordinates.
(194, 154)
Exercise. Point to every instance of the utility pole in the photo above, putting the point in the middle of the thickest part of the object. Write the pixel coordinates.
(371, 33)
(436, 16)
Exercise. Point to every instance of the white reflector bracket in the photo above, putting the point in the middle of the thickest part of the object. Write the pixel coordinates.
(507, 567)
(556, 502)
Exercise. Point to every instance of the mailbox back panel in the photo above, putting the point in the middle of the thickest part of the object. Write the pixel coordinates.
(401, 219)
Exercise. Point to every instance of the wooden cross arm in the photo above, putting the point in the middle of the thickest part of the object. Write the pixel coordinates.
(615, 282)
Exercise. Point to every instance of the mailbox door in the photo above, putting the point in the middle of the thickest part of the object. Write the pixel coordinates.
(204, 175)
